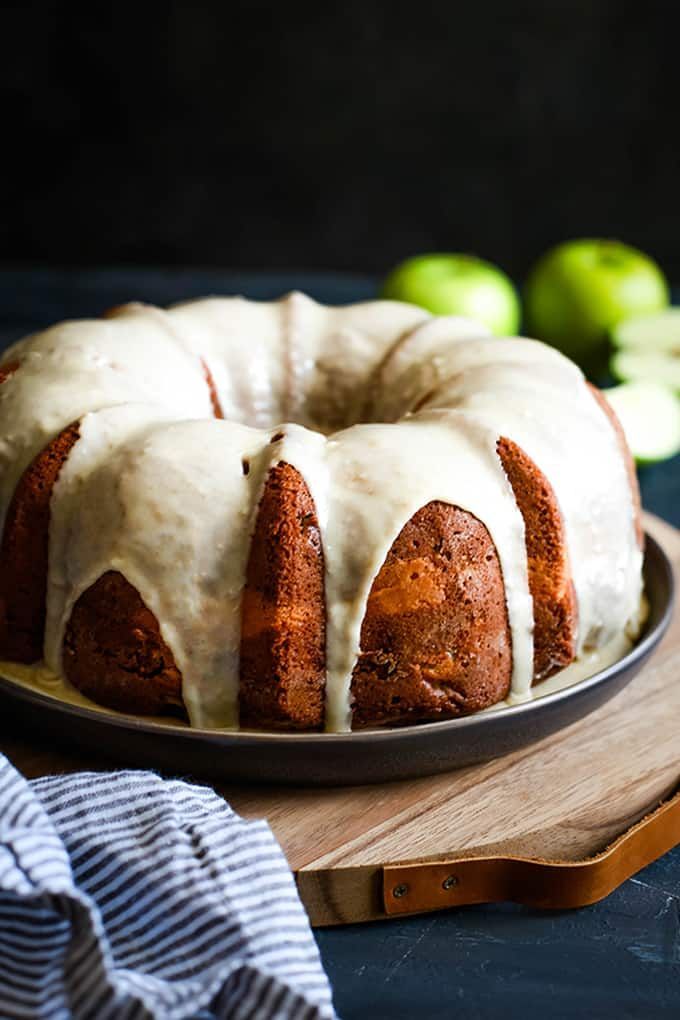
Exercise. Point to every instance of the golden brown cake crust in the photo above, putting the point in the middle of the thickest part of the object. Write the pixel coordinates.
(7, 370)
(283, 637)
(214, 398)
(435, 640)
(24, 553)
(550, 584)
(114, 652)
(628, 461)
(440, 588)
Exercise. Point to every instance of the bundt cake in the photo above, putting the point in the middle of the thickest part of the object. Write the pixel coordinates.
(289, 516)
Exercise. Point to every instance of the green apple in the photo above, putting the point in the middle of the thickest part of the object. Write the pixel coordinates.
(454, 284)
(650, 417)
(580, 290)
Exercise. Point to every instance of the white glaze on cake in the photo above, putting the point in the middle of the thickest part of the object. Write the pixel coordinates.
(155, 487)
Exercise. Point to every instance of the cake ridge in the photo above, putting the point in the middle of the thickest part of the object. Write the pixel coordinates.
(174, 514)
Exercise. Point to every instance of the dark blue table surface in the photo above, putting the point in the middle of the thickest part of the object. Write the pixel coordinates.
(619, 958)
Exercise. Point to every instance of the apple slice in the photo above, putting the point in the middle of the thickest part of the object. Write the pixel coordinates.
(658, 332)
(646, 366)
(650, 417)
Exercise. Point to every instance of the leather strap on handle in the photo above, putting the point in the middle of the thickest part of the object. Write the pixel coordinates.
(435, 885)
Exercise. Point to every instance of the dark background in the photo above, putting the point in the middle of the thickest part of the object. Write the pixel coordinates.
(345, 136)
(335, 135)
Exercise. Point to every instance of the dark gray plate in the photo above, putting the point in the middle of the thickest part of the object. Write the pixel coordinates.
(347, 758)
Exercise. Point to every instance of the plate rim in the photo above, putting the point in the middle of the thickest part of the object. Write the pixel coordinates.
(395, 734)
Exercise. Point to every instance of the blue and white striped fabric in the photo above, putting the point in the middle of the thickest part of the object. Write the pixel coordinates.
(123, 895)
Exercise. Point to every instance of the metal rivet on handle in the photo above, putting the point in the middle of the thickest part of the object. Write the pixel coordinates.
(449, 882)
(399, 891)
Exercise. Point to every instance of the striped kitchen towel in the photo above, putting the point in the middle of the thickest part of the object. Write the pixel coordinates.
(123, 895)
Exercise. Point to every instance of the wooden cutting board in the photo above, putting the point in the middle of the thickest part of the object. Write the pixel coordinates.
(355, 850)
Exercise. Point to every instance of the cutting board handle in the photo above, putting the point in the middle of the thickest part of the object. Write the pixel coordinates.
(557, 885)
